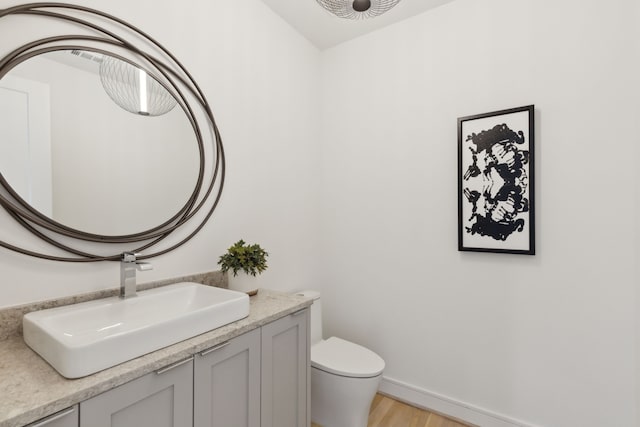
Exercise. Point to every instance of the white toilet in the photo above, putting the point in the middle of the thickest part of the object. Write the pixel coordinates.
(344, 376)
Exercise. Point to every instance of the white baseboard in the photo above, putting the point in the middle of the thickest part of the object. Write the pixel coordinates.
(444, 405)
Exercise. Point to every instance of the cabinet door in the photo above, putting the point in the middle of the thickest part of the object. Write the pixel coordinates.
(285, 371)
(64, 418)
(227, 384)
(160, 399)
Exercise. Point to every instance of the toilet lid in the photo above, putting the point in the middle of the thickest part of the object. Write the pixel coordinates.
(345, 358)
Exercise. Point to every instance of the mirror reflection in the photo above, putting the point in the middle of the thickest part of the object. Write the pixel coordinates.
(75, 155)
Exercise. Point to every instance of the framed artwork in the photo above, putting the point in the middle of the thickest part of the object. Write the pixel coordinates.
(495, 182)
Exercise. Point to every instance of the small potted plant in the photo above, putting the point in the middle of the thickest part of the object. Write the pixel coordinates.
(246, 262)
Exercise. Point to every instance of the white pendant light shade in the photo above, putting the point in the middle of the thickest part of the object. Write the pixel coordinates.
(357, 9)
(133, 90)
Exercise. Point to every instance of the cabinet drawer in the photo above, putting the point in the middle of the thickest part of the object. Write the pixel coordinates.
(159, 399)
(65, 418)
(285, 371)
(227, 383)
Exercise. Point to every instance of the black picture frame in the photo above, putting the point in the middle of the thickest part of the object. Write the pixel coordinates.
(496, 182)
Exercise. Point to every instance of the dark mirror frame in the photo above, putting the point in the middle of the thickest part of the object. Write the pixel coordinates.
(108, 35)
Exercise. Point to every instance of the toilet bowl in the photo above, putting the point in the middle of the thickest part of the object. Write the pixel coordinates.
(344, 376)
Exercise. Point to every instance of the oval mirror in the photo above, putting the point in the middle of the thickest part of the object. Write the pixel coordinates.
(84, 161)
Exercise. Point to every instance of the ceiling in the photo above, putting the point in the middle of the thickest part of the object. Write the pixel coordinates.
(326, 30)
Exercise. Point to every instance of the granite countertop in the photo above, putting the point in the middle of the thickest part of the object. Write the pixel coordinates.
(31, 389)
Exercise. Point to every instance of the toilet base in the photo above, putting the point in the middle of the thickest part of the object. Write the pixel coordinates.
(338, 401)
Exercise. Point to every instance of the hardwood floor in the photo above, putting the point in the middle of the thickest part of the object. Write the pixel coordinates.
(386, 412)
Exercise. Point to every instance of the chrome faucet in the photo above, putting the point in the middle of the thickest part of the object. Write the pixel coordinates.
(128, 267)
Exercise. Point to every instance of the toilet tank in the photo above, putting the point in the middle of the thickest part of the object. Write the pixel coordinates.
(316, 315)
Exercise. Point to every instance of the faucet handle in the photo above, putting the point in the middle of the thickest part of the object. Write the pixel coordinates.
(144, 266)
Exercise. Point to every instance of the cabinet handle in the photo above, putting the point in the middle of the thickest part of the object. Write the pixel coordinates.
(299, 312)
(214, 348)
(55, 417)
(175, 365)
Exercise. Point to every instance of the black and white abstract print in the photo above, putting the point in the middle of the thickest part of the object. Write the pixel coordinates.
(495, 200)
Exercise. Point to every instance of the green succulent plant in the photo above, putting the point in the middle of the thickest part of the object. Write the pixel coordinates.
(251, 259)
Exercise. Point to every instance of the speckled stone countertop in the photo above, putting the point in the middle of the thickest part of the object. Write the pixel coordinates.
(31, 389)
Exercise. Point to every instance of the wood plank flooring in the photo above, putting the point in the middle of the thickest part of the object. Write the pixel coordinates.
(387, 412)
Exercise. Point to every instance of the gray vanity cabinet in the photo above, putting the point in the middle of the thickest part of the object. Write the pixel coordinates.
(258, 379)
(64, 418)
(227, 383)
(160, 399)
(285, 371)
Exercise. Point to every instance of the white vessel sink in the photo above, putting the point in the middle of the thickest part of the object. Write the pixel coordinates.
(81, 339)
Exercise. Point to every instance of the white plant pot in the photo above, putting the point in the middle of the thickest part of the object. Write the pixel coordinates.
(243, 282)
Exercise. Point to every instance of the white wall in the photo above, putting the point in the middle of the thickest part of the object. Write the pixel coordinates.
(547, 340)
(261, 78)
